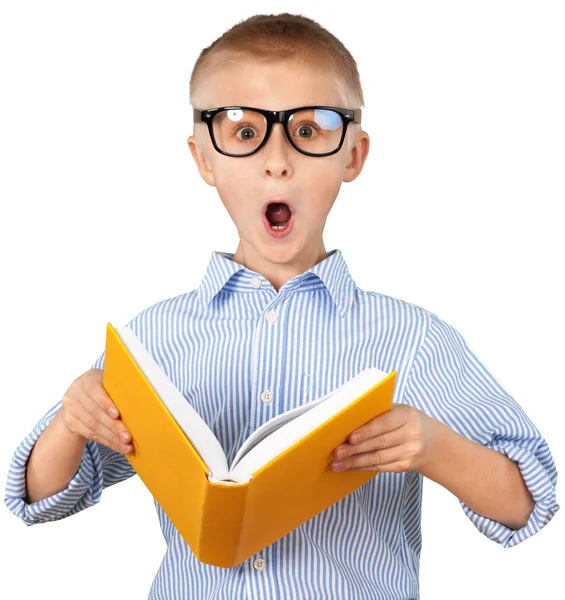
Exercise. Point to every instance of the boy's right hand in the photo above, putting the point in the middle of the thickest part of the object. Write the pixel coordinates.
(87, 409)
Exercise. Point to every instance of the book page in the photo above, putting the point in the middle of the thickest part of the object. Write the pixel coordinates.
(273, 424)
(192, 424)
(278, 440)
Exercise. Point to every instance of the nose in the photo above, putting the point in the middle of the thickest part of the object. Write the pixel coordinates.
(277, 152)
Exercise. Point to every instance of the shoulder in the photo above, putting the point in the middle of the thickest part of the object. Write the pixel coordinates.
(407, 319)
(430, 337)
(394, 311)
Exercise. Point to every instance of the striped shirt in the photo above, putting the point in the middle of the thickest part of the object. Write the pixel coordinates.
(235, 338)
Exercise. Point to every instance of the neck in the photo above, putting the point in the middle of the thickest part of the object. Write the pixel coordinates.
(278, 273)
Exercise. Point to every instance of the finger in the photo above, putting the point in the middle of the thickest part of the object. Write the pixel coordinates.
(388, 439)
(81, 421)
(107, 430)
(98, 403)
(97, 392)
(376, 458)
(388, 421)
(395, 467)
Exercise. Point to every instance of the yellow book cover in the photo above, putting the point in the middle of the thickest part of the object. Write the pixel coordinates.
(279, 479)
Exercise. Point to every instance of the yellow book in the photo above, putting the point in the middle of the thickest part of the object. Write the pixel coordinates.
(279, 478)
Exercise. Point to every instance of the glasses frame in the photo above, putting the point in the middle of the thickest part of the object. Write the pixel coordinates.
(276, 116)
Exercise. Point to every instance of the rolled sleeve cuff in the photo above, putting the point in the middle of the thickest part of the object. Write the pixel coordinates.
(83, 490)
(541, 485)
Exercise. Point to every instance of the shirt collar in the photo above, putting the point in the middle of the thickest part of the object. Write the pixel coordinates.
(332, 272)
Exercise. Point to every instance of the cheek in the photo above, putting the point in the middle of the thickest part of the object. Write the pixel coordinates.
(236, 188)
(324, 185)
(238, 173)
(230, 177)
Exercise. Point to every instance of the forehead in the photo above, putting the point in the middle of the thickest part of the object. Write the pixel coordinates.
(274, 85)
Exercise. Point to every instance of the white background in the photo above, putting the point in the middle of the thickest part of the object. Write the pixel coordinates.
(103, 213)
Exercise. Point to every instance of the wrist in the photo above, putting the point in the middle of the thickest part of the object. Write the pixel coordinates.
(74, 439)
(438, 445)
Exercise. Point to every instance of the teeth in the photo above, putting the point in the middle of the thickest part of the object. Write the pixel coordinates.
(279, 227)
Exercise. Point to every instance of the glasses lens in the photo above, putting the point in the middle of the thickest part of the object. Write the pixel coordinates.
(241, 131)
(316, 130)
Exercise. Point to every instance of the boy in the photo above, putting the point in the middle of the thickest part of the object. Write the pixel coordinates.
(281, 322)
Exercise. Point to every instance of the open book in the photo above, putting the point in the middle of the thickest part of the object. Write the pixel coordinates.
(282, 465)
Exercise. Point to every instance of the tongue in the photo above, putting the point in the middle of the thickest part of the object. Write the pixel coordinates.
(278, 213)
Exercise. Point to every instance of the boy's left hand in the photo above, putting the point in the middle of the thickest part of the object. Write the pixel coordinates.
(396, 441)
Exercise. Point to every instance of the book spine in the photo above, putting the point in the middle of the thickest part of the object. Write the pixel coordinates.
(222, 519)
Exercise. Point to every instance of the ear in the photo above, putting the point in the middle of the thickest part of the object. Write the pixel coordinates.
(201, 160)
(357, 156)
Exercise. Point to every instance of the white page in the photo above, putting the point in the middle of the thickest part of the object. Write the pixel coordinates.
(188, 419)
(273, 424)
(291, 432)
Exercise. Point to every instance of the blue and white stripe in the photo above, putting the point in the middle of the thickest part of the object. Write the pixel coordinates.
(220, 349)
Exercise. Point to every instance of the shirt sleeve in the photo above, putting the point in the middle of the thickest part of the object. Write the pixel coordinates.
(449, 382)
(100, 467)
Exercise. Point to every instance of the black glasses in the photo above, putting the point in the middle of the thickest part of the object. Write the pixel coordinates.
(243, 130)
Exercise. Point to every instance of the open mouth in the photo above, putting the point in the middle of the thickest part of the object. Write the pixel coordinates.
(278, 215)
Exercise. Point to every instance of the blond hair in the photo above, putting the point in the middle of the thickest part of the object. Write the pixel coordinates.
(272, 38)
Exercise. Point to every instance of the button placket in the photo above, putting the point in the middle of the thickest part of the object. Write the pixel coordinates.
(266, 395)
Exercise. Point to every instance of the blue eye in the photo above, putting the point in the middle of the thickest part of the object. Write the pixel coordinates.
(327, 119)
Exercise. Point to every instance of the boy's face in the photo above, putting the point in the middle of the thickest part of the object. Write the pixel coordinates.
(310, 184)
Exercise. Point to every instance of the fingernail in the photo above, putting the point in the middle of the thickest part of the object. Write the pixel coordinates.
(337, 466)
(340, 453)
(113, 412)
(124, 435)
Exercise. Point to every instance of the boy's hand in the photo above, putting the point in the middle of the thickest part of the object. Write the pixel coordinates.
(396, 441)
(87, 411)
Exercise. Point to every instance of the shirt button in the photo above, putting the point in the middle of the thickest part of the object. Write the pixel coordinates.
(255, 282)
(267, 396)
(259, 564)
(271, 316)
